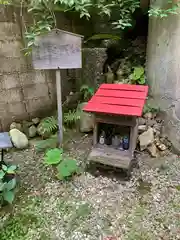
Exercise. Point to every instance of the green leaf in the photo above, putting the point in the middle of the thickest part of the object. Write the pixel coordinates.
(66, 168)
(11, 184)
(138, 72)
(142, 80)
(9, 196)
(2, 186)
(4, 167)
(2, 173)
(53, 156)
(11, 169)
(91, 91)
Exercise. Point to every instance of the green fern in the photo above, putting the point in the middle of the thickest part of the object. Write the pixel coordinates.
(48, 125)
(71, 117)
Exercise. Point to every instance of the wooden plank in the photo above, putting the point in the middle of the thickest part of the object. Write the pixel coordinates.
(113, 109)
(95, 132)
(134, 136)
(111, 157)
(117, 101)
(121, 94)
(59, 105)
(115, 119)
(126, 87)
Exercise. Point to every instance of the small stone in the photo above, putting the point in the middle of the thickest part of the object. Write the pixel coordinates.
(32, 131)
(16, 125)
(18, 139)
(151, 122)
(36, 121)
(142, 128)
(141, 121)
(148, 115)
(152, 150)
(146, 139)
(157, 126)
(166, 142)
(161, 146)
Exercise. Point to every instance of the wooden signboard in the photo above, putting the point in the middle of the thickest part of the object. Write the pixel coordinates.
(58, 50)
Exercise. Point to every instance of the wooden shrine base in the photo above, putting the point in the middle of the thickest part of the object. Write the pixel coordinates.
(109, 156)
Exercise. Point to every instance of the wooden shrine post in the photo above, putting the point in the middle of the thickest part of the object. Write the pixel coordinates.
(58, 50)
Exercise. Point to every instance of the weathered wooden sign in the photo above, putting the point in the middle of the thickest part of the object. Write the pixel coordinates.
(57, 50)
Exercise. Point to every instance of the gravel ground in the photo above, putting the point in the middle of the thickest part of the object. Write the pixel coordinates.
(93, 207)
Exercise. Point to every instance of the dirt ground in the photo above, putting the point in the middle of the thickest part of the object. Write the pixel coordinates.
(90, 206)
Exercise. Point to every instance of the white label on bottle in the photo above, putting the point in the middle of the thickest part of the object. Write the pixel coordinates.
(101, 140)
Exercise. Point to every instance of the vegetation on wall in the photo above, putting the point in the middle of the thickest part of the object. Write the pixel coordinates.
(43, 12)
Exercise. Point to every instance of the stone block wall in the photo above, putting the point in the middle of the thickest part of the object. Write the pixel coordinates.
(24, 92)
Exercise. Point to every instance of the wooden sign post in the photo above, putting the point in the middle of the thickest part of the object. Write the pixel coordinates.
(58, 50)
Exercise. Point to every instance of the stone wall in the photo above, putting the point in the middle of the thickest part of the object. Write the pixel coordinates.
(163, 70)
(26, 93)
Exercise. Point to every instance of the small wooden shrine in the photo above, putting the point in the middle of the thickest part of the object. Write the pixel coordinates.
(116, 108)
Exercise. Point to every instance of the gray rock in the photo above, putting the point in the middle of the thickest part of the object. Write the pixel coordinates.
(86, 120)
(161, 146)
(148, 115)
(142, 128)
(146, 139)
(16, 125)
(152, 150)
(18, 139)
(32, 131)
(141, 121)
(151, 122)
(36, 121)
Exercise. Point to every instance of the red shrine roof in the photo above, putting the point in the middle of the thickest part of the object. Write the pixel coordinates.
(119, 99)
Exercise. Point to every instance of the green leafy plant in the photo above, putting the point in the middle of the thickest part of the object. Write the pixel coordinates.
(150, 108)
(7, 187)
(71, 117)
(138, 76)
(53, 156)
(87, 92)
(48, 125)
(44, 20)
(65, 167)
(170, 7)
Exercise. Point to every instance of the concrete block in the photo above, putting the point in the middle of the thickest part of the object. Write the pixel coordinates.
(27, 78)
(3, 109)
(40, 76)
(16, 109)
(9, 81)
(13, 65)
(11, 95)
(6, 13)
(9, 31)
(35, 105)
(32, 77)
(35, 91)
(11, 49)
